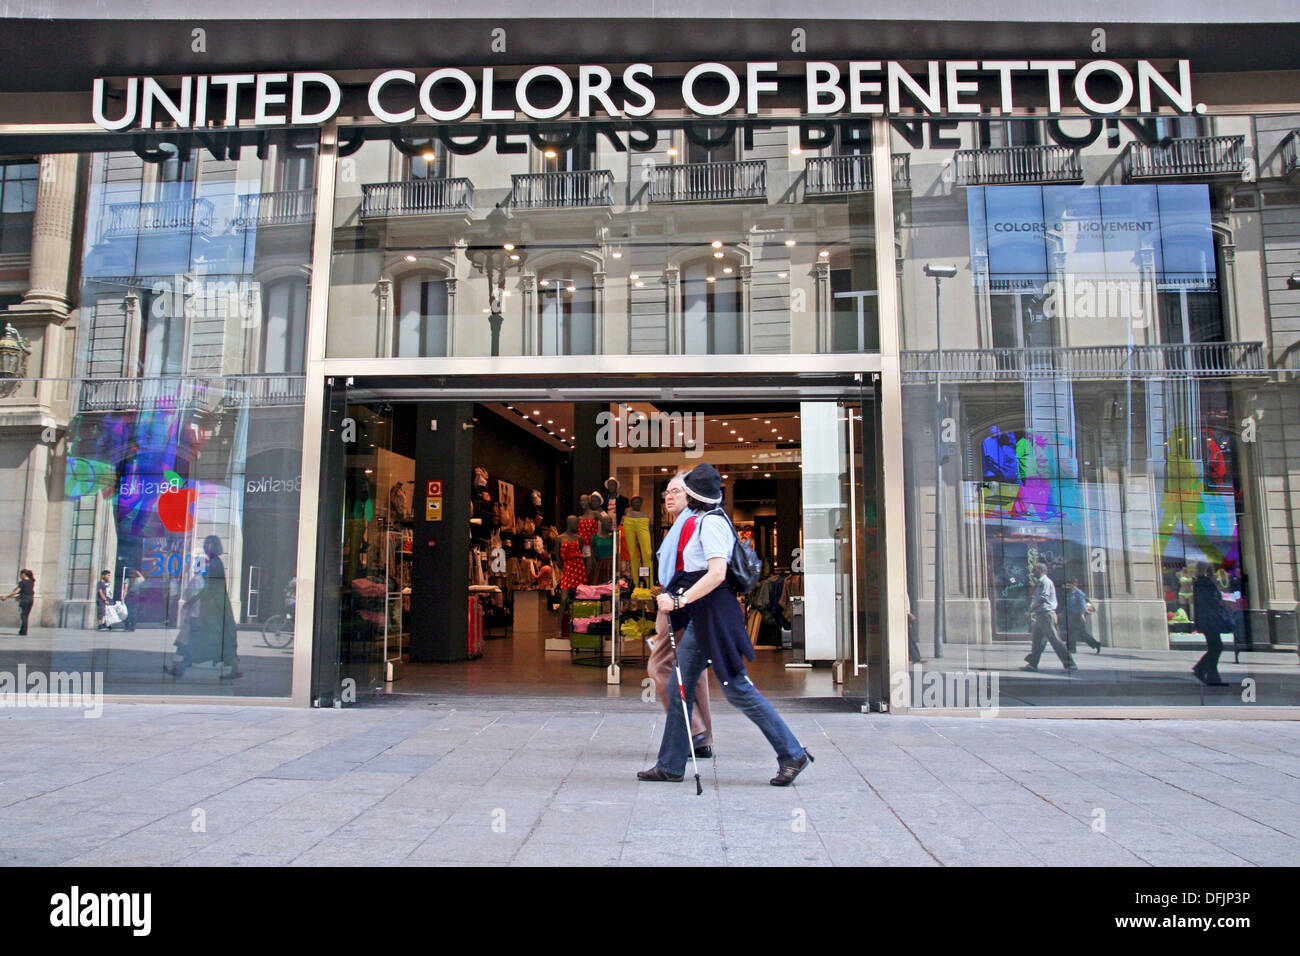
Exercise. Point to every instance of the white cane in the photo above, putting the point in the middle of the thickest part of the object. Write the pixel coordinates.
(681, 689)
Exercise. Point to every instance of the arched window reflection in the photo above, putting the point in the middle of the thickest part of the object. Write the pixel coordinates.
(421, 309)
(284, 326)
(712, 311)
(566, 297)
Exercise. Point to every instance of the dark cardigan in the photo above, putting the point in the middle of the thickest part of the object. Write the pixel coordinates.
(719, 625)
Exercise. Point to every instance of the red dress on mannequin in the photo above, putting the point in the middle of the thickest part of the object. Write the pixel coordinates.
(575, 566)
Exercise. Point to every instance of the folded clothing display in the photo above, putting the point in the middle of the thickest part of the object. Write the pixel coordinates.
(642, 594)
(583, 625)
(635, 629)
(593, 592)
(584, 609)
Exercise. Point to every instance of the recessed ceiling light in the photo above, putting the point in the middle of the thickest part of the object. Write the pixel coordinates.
(429, 155)
(550, 154)
(825, 254)
(710, 279)
(782, 275)
(616, 254)
(790, 242)
(507, 246)
(634, 276)
(639, 285)
(773, 429)
(409, 258)
(733, 431)
(755, 467)
(552, 422)
(716, 243)
(514, 257)
(727, 269)
(767, 474)
(569, 288)
(536, 412)
(672, 151)
(717, 255)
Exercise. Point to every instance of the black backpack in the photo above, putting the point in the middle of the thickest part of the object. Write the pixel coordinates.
(744, 567)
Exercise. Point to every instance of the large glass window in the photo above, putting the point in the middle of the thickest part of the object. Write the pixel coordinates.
(172, 486)
(629, 202)
(1087, 431)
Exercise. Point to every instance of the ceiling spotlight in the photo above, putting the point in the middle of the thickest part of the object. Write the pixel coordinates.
(773, 429)
(717, 255)
(536, 412)
(616, 254)
(727, 269)
(716, 243)
(409, 258)
(782, 275)
(514, 257)
(789, 242)
(755, 467)
(733, 431)
(634, 276)
(550, 154)
(507, 246)
(639, 285)
(710, 279)
(825, 254)
(552, 422)
(672, 150)
(428, 154)
(569, 288)
(544, 282)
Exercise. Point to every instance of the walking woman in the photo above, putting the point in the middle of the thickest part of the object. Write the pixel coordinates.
(699, 599)
(26, 594)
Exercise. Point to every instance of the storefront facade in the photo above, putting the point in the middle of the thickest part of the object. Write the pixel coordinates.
(1046, 303)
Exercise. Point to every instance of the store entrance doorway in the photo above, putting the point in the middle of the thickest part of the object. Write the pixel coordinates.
(501, 540)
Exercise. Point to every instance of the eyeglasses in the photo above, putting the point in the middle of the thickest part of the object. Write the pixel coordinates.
(674, 491)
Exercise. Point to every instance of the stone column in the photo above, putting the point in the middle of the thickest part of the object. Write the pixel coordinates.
(52, 226)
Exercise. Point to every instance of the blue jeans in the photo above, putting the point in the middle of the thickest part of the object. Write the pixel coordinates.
(741, 693)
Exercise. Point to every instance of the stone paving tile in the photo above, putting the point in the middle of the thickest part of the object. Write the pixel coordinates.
(536, 853)
(479, 843)
(424, 785)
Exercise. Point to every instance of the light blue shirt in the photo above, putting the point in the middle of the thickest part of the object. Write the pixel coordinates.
(712, 539)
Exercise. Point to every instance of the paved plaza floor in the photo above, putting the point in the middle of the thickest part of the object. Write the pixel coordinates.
(532, 781)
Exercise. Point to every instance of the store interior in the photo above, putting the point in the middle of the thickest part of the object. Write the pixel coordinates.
(536, 524)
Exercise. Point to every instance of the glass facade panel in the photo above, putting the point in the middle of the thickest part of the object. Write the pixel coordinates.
(1090, 425)
(688, 238)
(158, 479)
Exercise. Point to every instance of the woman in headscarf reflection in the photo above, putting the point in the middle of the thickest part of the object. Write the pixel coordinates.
(207, 622)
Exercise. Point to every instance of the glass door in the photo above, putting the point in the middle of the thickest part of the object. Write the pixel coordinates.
(359, 610)
(840, 559)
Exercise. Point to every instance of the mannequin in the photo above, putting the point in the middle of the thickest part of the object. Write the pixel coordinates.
(619, 502)
(569, 552)
(588, 523)
(603, 551)
(636, 533)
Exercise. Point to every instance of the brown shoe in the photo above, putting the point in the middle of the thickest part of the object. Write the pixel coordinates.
(663, 776)
(785, 776)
